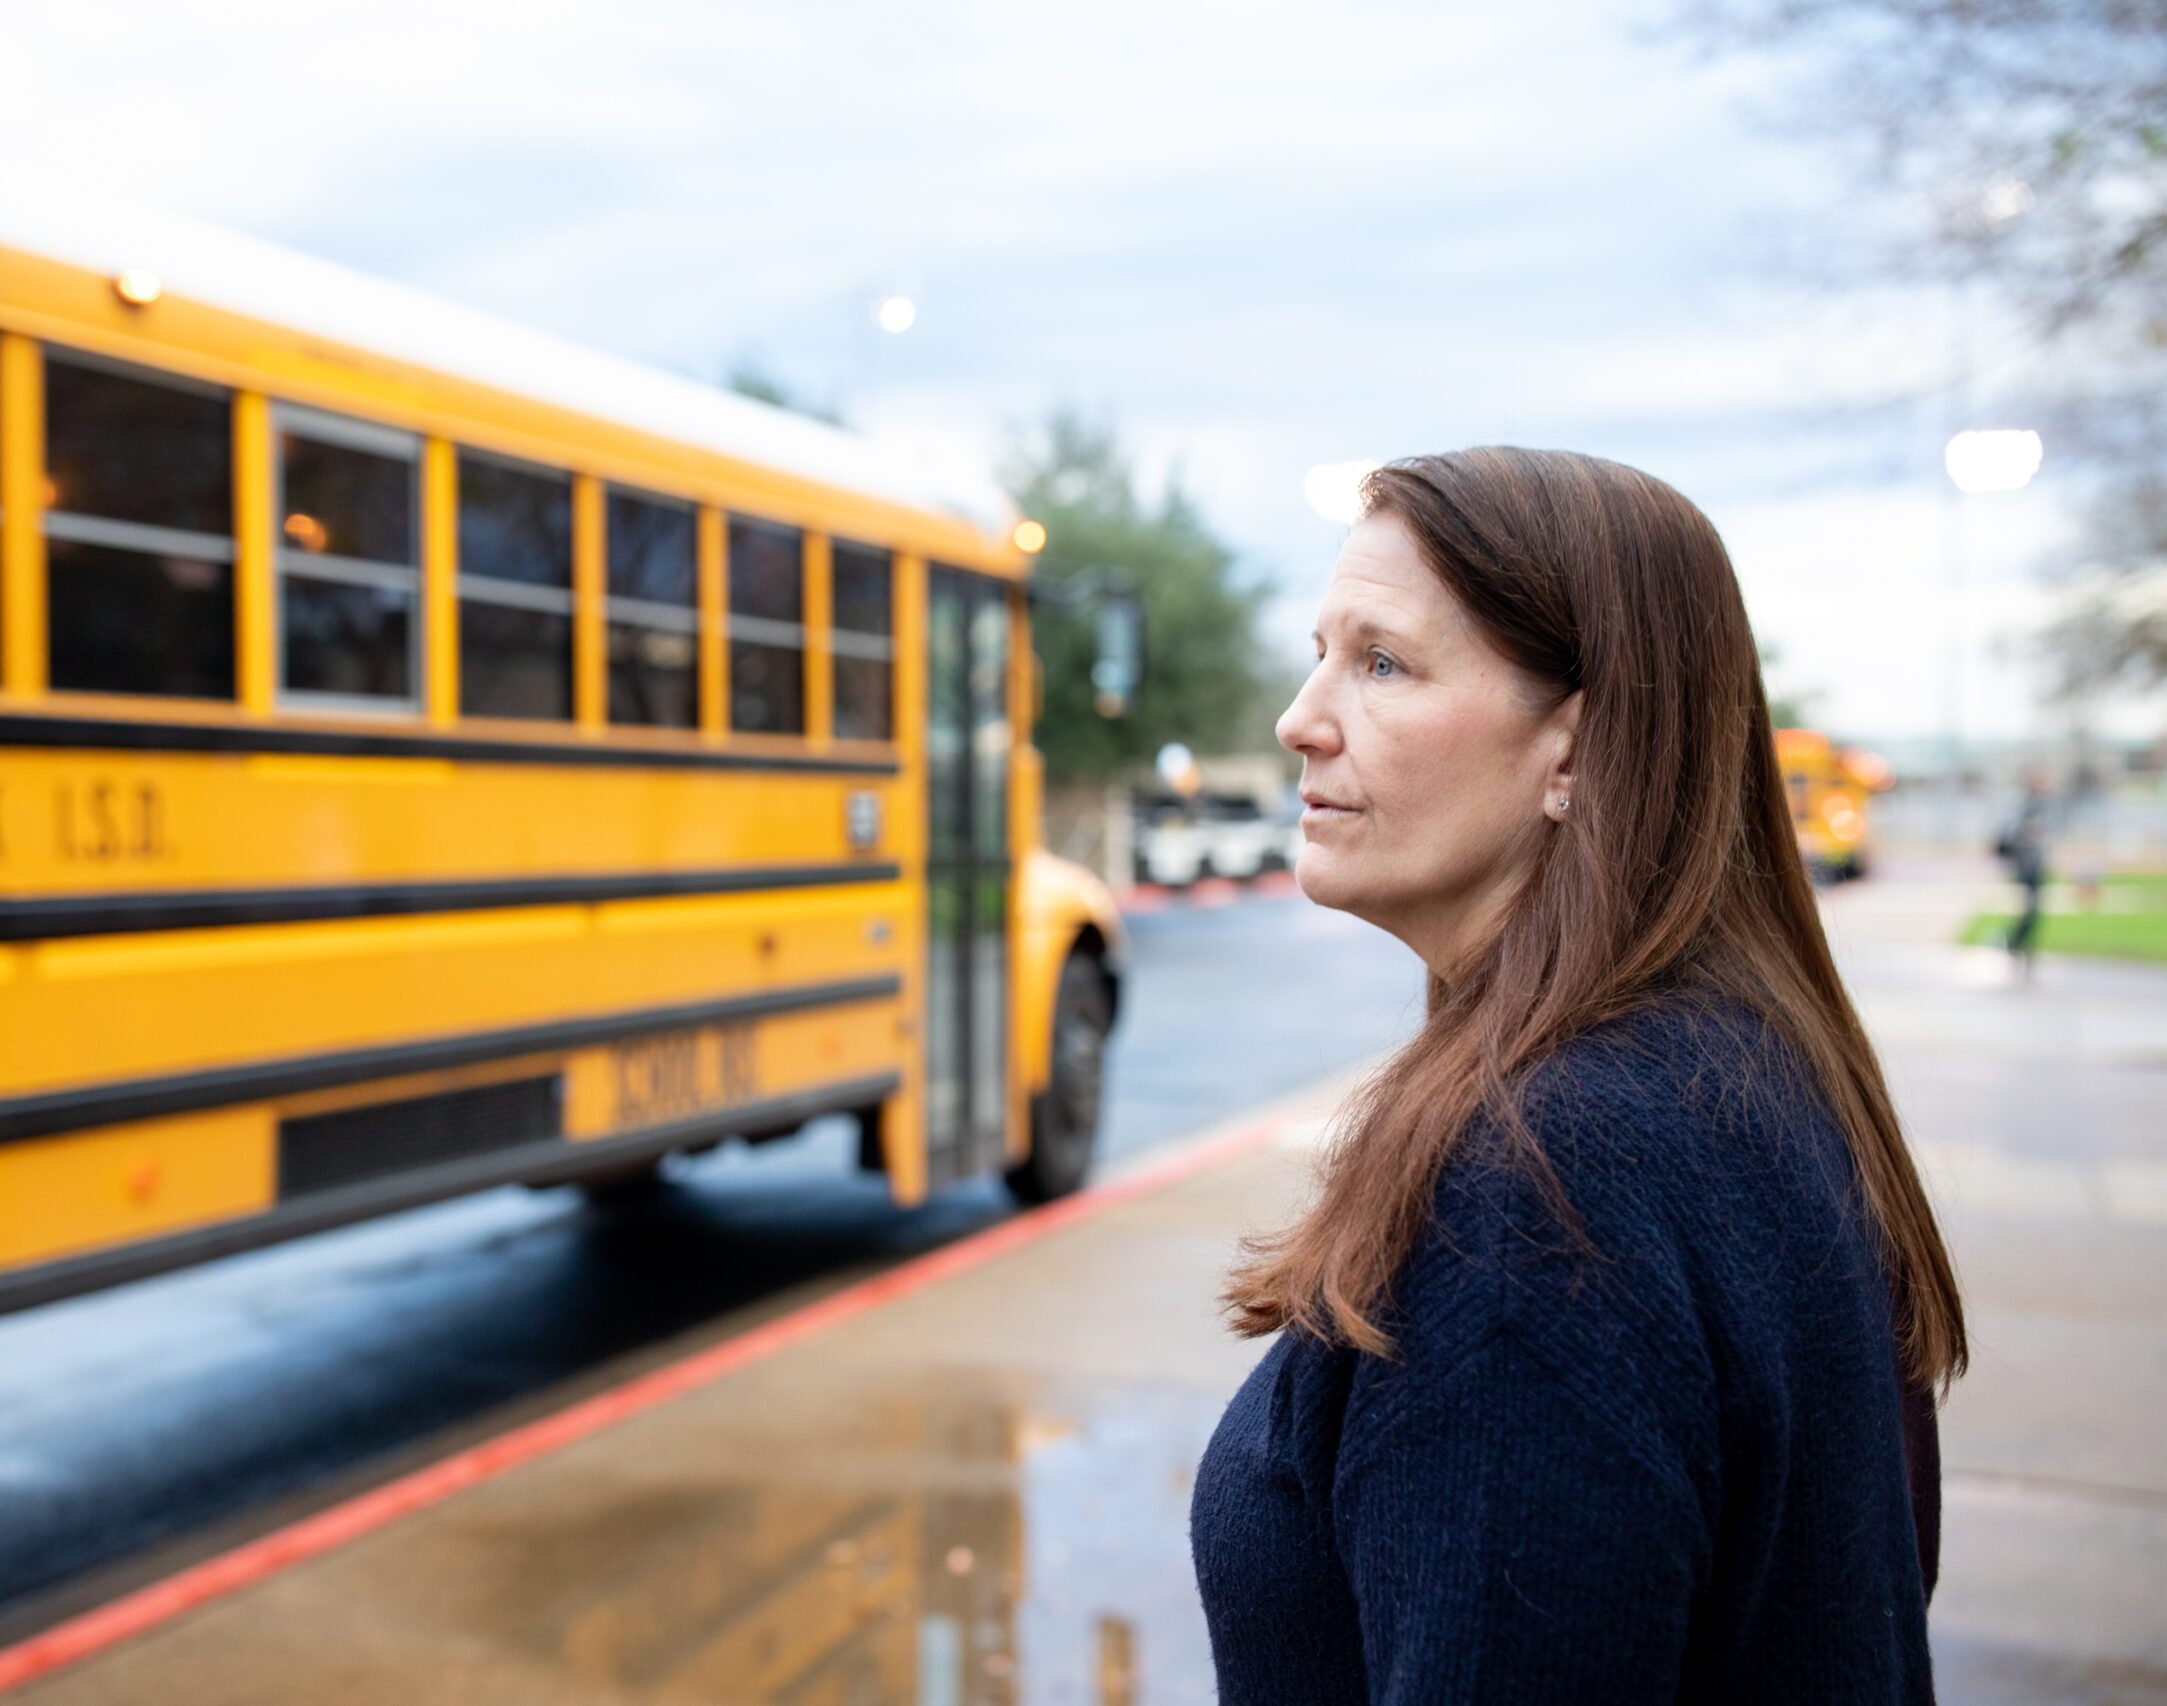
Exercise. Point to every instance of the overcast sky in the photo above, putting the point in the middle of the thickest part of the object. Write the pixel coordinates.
(1252, 236)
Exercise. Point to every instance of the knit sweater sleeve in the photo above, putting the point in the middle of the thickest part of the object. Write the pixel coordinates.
(1516, 1504)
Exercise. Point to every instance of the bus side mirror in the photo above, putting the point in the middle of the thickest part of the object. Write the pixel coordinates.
(1117, 669)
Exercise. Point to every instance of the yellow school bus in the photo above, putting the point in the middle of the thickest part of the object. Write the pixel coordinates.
(1831, 789)
(434, 756)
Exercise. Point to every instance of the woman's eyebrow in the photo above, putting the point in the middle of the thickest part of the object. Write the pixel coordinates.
(1365, 628)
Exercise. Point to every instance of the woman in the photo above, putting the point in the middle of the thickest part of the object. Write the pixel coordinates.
(1611, 1336)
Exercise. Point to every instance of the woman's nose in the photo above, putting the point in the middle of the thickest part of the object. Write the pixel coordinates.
(1305, 725)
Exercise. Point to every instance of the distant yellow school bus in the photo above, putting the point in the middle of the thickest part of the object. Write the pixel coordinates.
(433, 756)
(1831, 789)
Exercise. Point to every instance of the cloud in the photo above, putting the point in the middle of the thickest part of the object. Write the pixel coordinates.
(1255, 235)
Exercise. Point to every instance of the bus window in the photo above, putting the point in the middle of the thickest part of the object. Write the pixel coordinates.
(515, 590)
(864, 643)
(990, 753)
(767, 628)
(654, 621)
(968, 871)
(139, 533)
(348, 560)
(990, 739)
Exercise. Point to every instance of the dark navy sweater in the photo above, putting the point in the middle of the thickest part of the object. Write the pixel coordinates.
(1677, 1471)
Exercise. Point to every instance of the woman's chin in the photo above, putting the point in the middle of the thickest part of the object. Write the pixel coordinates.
(1322, 878)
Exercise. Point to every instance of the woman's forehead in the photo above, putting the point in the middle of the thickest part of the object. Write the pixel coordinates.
(1380, 581)
(1381, 545)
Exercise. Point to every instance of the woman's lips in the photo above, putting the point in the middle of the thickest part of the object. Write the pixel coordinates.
(1317, 813)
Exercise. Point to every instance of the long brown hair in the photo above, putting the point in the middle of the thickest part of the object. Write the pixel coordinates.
(1678, 864)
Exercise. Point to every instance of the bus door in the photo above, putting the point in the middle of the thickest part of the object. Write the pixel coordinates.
(967, 875)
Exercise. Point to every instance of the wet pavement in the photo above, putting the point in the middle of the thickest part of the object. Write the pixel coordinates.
(143, 1427)
(978, 1491)
(2039, 1115)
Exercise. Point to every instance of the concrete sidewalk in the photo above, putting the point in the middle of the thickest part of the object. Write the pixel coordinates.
(2039, 1115)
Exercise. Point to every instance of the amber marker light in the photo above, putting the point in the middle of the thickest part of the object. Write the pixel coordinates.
(139, 287)
(1029, 537)
(306, 531)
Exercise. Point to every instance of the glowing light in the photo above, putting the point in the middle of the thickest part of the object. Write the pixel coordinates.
(1029, 537)
(306, 531)
(896, 313)
(1998, 459)
(139, 287)
(1872, 770)
(1334, 490)
(2005, 199)
(1178, 769)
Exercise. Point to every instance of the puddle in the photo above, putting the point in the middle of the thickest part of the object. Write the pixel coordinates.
(814, 1535)
(947, 1548)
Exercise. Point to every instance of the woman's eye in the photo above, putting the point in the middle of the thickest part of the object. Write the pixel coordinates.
(1381, 666)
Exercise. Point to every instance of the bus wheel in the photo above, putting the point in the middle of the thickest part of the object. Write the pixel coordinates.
(1065, 1120)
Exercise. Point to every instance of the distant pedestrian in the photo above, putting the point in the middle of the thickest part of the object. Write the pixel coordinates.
(2023, 847)
(1608, 1347)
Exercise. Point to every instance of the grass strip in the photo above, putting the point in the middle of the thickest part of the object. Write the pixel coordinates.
(2129, 921)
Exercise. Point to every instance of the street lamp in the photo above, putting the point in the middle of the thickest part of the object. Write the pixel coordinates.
(1974, 217)
(1996, 459)
(1979, 460)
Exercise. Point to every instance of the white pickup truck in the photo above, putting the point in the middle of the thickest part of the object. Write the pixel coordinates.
(1181, 841)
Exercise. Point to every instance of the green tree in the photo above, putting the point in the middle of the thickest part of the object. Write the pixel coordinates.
(1788, 708)
(1205, 670)
(748, 378)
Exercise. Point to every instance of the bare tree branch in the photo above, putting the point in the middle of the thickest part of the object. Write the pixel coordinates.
(2031, 136)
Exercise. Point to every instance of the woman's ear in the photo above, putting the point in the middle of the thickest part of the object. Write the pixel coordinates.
(1563, 733)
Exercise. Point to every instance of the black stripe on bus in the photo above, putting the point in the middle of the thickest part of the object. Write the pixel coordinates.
(546, 1163)
(108, 914)
(49, 1111)
(101, 735)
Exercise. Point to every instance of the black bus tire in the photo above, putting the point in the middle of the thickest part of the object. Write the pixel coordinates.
(1065, 1120)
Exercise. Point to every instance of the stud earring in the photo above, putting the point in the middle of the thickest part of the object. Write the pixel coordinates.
(1564, 803)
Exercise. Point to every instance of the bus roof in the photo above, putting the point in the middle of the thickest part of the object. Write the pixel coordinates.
(247, 276)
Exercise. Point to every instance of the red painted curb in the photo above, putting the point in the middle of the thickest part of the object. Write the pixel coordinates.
(137, 1613)
(1207, 892)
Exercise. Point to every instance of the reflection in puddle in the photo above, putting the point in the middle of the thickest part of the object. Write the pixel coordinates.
(932, 1546)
